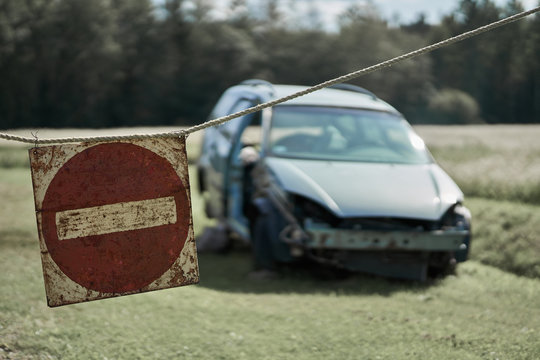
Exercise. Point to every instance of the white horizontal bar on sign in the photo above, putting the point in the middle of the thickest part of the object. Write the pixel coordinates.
(106, 219)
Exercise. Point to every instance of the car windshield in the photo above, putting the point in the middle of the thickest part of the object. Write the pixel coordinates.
(324, 133)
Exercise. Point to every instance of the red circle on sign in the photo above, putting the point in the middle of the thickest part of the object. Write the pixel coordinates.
(108, 174)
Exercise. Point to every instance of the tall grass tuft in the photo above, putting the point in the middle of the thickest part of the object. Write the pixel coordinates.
(505, 235)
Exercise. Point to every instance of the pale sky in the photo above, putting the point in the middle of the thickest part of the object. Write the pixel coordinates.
(405, 10)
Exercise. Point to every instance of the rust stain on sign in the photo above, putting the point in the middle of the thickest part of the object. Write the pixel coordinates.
(113, 218)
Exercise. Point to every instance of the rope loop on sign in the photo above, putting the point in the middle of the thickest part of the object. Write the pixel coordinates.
(221, 120)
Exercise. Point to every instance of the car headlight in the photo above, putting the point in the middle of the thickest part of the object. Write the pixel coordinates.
(305, 208)
(457, 216)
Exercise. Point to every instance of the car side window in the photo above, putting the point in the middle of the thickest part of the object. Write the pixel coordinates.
(229, 128)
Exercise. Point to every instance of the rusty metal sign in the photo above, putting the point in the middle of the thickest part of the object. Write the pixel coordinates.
(113, 218)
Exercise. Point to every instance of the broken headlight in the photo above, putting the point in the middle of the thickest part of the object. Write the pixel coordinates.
(457, 217)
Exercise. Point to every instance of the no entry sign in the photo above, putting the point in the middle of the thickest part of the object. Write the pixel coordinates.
(113, 218)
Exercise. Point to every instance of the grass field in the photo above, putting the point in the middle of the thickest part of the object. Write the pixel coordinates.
(500, 162)
(483, 312)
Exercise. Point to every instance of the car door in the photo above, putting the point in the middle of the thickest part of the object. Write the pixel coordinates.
(239, 183)
(218, 170)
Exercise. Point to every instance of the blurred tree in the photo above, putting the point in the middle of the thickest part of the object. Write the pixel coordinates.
(220, 55)
(200, 11)
(126, 62)
(141, 67)
(419, 26)
(451, 106)
(528, 105)
(272, 17)
(61, 55)
(493, 68)
(239, 15)
(462, 66)
(366, 39)
(507, 69)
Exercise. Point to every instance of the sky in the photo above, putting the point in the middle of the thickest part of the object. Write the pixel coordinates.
(403, 11)
(406, 10)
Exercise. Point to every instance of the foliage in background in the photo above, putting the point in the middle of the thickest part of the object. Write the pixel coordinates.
(499, 69)
(107, 63)
(451, 106)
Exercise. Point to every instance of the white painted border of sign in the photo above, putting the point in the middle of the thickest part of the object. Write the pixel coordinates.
(60, 289)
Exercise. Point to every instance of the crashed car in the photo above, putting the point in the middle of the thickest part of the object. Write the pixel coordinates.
(338, 177)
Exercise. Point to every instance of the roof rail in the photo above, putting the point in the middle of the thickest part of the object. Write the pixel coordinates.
(255, 82)
(350, 87)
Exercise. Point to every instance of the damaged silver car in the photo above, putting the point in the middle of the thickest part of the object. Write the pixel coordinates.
(337, 177)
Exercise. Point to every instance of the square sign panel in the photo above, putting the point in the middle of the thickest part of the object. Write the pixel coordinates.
(113, 218)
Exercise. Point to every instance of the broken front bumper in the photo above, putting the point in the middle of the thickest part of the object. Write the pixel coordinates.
(397, 254)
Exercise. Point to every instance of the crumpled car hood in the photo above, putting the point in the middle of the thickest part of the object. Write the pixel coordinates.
(354, 189)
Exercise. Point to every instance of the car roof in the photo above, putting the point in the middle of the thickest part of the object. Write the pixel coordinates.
(325, 97)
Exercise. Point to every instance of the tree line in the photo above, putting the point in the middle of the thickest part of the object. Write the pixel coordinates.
(103, 63)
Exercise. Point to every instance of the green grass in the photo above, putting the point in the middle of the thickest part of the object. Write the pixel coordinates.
(482, 312)
(496, 162)
(505, 235)
(13, 157)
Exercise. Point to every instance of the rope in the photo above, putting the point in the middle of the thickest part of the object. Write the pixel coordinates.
(306, 91)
